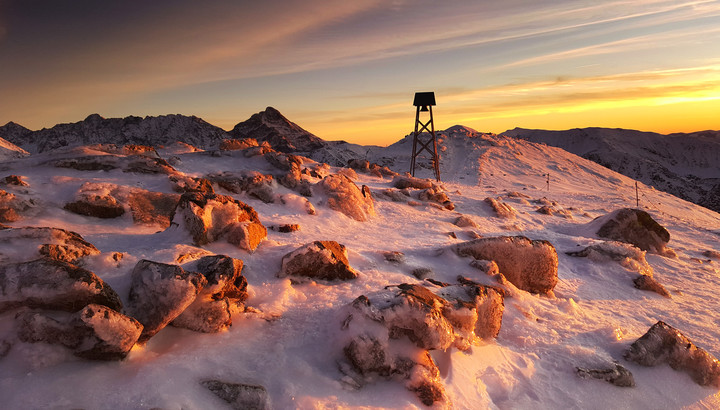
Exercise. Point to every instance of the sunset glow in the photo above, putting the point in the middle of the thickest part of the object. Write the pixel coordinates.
(349, 70)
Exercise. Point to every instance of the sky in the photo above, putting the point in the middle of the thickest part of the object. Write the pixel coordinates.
(349, 70)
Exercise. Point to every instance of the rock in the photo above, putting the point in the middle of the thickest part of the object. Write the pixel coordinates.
(14, 180)
(423, 273)
(402, 182)
(246, 235)
(146, 165)
(237, 144)
(240, 396)
(50, 242)
(226, 289)
(298, 202)
(633, 226)
(530, 265)
(490, 268)
(96, 206)
(501, 209)
(349, 172)
(253, 183)
(464, 221)
(344, 196)
(664, 344)
(159, 293)
(88, 163)
(394, 195)
(51, 284)
(325, 260)
(435, 195)
(359, 164)
(9, 215)
(95, 332)
(395, 257)
(152, 208)
(628, 255)
(645, 282)
(712, 254)
(617, 375)
(209, 216)
(286, 228)
(453, 315)
(183, 183)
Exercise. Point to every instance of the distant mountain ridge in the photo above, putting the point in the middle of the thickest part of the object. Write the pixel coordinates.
(153, 131)
(686, 165)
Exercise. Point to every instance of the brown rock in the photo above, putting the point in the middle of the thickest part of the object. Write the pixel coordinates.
(636, 227)
(325, 260)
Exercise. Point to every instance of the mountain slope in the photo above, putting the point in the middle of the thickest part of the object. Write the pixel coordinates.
(8, 150)
(685, 165)
(153, 131)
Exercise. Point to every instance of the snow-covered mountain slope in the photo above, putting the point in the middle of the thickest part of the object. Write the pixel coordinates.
(292, 341)
(153, 131)
(685, 165)
(8, 150)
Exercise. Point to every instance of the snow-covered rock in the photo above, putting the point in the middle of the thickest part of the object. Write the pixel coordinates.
(95, 332)
(208, 217)
(633, 226)
(30, 243)
(159, 293)
(255, 184)
(664, 344)
(344, 196)
(530, 265)
(501, 209)
(240, 396)
(325, 260)
(52, 284)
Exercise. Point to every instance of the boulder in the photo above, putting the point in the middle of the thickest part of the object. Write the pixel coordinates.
(344, 196)
(246, 235)
(209, 216)
(240, 396)
(55, 243)
(12, 206)
(159, 293)
(52, 284)
(98, 206)
(530, 265)
(286, 228)
(434, 194)
(226, 288)
(501, 209)
(152, 208)
(664, 344)
(95, 332)
(325, 260)
(633, 226)
(141, 164)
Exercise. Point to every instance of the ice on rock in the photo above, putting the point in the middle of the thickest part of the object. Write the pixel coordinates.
(344, 196)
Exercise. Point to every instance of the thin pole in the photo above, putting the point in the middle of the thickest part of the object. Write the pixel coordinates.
(637, 195)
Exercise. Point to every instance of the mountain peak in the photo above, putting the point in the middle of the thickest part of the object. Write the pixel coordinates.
(282, 134)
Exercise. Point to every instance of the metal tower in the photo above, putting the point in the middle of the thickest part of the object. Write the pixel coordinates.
(423, 103)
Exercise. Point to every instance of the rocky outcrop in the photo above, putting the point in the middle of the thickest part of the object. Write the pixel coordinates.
(240, 396)
(152, 208)
(52, 284)
(283, 135)
(14, 180)
(95, 332)
(209, 217)
(12, 207)
(402, 182)
(530, 265)
(159, 293)
(95, 203)
(326, 260)
(633, 226)
(237, 144)
(226, 289)
(345, 197)
(664, 344)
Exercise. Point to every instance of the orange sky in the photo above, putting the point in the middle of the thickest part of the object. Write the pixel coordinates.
(348, 70)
